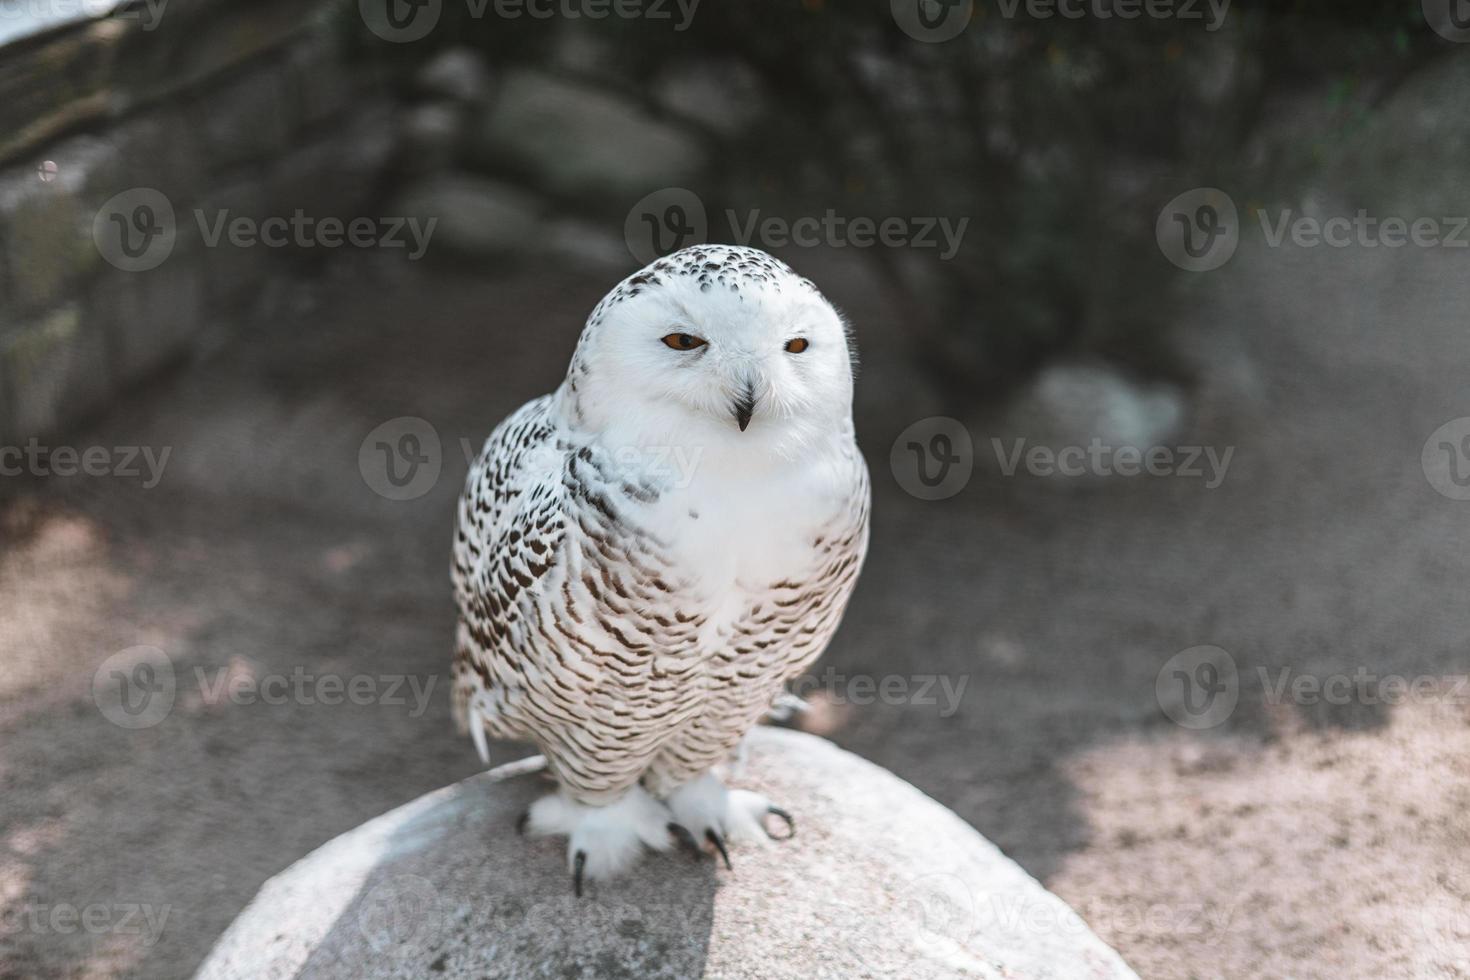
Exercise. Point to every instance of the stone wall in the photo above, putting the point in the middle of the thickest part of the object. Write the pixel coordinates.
(194, 106)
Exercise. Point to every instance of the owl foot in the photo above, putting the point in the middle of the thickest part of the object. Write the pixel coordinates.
(704, 810)
(602, 840)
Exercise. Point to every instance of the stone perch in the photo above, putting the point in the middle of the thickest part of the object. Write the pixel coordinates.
(880, 881)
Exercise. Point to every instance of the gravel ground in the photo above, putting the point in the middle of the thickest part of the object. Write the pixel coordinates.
(1295, 839)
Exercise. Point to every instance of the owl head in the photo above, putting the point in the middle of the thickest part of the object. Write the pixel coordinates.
(719, 343)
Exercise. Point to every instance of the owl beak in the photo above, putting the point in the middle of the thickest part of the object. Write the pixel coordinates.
(744, 406)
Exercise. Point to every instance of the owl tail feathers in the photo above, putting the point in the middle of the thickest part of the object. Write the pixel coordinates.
(785, 706)
(520, 767)
(477, 732)
(479, 713)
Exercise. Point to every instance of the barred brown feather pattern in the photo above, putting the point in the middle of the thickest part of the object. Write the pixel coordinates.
(584, 629)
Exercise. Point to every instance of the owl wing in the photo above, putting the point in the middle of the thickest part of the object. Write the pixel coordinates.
(519, 465)
(509, 536)
(567, 633)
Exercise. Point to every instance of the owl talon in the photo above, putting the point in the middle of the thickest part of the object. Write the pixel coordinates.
(727, 816)
(522, 821)
(604, 840)
(776, 811)
(719, 843)
(685, 840)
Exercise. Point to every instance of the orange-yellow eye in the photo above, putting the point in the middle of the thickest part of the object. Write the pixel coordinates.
(683, 341)
(797, 346)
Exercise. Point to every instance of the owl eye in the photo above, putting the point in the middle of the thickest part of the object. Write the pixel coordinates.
(684, 341)
(797, 345)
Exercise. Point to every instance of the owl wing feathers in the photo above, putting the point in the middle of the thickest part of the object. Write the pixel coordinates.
(511, 527)
(515, 465)
(557, 600)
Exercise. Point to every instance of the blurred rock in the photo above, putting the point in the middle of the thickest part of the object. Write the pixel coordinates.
(1229, 387)
(880, 881)
(320, 78)
(151, 318)
(726, 96)
(186, 46)
(179, 174)
(580, 141)
(458, 74)
(475, 216)
(431, 133)
(588, 244)
(247, 119)
(1071, 405)
(48, 89)
(47, 220)
(337, 173)
(56, 365)
(232, 275)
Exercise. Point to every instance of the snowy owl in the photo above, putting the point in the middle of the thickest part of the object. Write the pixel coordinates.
(647, 555)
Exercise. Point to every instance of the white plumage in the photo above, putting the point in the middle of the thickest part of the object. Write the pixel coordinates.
(646, 556)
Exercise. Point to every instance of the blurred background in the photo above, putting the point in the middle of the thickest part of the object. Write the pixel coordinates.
(1161, 309)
